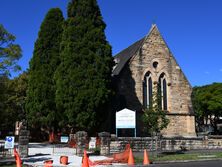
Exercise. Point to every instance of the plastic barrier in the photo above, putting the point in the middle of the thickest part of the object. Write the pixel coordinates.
(64, 160)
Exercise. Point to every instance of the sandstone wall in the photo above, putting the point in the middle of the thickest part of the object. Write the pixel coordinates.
(165, 144)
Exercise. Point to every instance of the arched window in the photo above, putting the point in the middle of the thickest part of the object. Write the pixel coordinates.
(147, 90)
(163, 91)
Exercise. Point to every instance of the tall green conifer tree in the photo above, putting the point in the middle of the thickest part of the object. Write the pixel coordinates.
(83, 77)
(40, 103)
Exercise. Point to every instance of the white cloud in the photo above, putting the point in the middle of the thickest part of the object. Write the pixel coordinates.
(221, 70)
(207, 72)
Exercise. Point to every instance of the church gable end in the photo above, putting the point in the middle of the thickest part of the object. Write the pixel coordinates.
(152, 63)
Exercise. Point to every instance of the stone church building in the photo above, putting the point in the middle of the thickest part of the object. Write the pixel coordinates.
(139, 68)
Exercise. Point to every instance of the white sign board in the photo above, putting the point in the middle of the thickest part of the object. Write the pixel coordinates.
(125, 119)
(9, 142)
(64, 139)
(92, 143)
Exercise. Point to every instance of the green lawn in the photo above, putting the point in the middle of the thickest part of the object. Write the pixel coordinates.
(8, 165)
(180, 157)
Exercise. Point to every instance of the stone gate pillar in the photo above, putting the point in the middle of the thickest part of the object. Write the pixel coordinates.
(105, 143)
(81, 141)
(23, 140)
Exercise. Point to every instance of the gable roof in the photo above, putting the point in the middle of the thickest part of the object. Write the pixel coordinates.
(122, 57)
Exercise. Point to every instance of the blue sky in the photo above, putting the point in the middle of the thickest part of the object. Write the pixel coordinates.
(191, 28)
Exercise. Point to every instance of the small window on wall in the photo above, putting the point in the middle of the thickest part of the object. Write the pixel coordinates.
(163, 91)
(147, 90)
(155, 64)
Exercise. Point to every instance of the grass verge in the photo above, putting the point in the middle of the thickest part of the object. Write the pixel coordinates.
(180, 157)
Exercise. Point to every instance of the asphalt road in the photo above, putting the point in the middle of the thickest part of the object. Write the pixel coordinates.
(214, 163)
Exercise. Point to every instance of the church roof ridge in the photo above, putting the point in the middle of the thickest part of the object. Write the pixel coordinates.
(153, 26)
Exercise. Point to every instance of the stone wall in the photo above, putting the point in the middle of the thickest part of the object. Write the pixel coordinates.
(165, 144)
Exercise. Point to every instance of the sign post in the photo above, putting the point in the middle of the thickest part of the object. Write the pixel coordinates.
(126, 119)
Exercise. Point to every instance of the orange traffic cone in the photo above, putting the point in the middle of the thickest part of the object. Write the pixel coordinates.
(51, 137)
(146, 160)
(17, 159)
(131, 158)
(85, 162)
